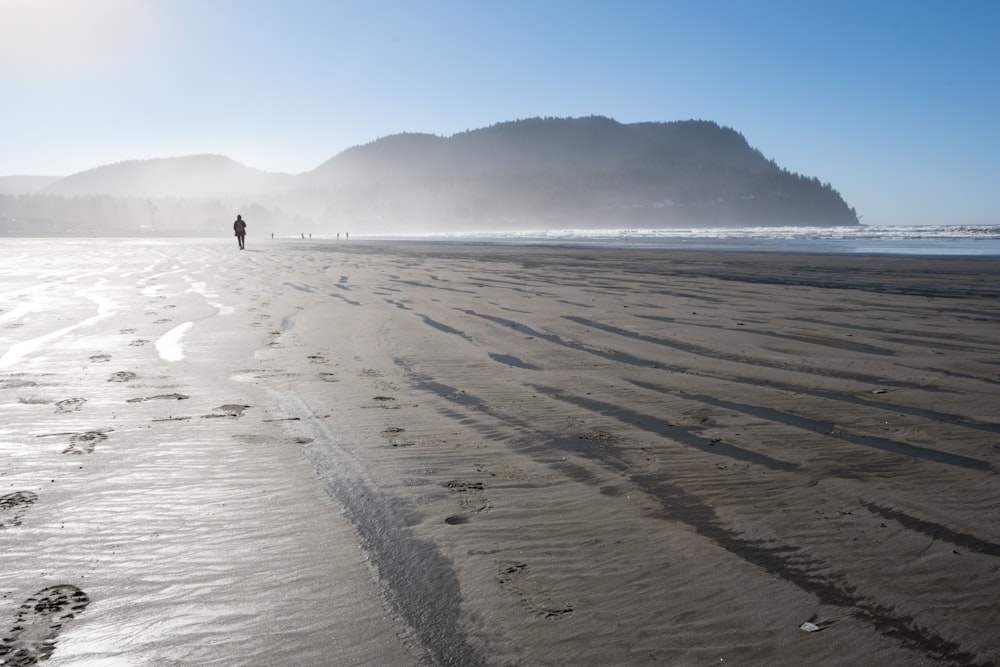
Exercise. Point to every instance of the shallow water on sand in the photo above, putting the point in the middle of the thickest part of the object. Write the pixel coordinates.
(141, 468)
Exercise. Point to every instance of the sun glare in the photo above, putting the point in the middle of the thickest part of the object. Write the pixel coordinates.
(42, 38)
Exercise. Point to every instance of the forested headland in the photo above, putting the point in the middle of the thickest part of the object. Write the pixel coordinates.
(527, 174)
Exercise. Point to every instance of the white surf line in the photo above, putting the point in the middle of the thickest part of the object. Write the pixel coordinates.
(105, 308)
(169, 346)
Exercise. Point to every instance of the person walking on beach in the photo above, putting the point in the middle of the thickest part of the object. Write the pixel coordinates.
(240, 227)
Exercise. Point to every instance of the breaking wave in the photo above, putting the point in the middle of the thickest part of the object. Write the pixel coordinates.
(890, 239)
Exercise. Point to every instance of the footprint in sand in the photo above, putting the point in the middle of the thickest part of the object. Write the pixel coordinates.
(84, 443)
(471, 499)
(159, 397)
(122, 376)
(100, 358)
(14, 505)
(69, 404)
(232, 410)
(32, 638)
(14, 383)
(513, 576)
(33, 400)
(384, 402)
(139, 342)
(392, 434)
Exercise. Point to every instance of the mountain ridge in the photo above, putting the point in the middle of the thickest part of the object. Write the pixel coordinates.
(535, 172)
(200, 175)
(593, 170)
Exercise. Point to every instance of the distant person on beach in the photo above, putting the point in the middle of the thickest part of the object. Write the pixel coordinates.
(240, 227)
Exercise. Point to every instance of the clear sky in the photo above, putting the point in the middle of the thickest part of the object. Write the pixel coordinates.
(896, 103)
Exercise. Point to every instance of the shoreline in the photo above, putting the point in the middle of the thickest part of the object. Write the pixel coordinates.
(502, 454)
(985, 245)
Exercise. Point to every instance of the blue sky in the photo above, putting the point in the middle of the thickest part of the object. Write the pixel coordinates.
(895, 103)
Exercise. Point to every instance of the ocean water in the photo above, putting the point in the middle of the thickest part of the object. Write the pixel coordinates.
(979, 240)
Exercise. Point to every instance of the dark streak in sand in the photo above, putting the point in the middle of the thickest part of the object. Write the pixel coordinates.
(415, 283)
(787, 562)
(931, 415)
(728, 356)
(343, 298)
(828, 430)
(669, 431)
(442, 327)
(302, 288)
(631, 360)
(511, 360)
(936, 530)
(540, 446)
(812, 340)
(418, 581)
(617, 357)
(811, 575)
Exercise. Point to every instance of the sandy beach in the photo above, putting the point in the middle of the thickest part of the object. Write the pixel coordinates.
(377, 453)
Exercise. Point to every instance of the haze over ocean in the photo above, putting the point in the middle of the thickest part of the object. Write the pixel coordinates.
(893, 103)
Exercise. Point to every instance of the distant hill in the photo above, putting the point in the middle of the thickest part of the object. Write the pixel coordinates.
(591, 171)
(525, 174)
(192, 176)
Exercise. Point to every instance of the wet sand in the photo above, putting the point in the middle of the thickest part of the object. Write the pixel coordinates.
(372, 453)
